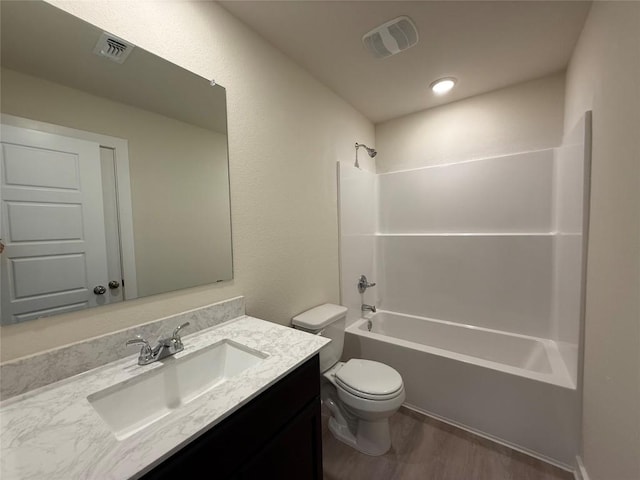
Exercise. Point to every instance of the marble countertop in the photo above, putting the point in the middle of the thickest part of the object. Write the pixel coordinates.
(54, 432)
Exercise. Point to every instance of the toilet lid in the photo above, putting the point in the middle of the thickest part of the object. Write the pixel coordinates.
(368, 379)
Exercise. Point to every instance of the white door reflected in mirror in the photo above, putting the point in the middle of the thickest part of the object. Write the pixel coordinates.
(53, 225)
(162, 137)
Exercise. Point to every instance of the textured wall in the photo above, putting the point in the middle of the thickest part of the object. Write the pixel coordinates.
(524, 117)
(604, 76)
(286, 131)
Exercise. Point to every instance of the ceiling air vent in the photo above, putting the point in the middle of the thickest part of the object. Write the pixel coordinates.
(113, 48)
(392, 37)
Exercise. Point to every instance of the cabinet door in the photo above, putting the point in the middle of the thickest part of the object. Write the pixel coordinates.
(294, 454)
(283, 421)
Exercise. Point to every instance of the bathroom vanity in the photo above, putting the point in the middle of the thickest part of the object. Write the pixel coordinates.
(278, 435)
(240, 401)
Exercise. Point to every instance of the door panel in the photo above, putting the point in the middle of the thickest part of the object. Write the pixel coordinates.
(29, 222)
(35, 167)
(41, 305)
(23, 317)
(52, 222)
(45, 275)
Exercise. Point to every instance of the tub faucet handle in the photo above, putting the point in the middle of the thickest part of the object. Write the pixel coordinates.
(363, 284)
(368, 308)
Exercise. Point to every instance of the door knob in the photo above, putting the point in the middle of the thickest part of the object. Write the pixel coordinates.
(114, 284)
(99, 290)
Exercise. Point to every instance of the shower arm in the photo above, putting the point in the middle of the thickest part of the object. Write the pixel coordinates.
(371, 151)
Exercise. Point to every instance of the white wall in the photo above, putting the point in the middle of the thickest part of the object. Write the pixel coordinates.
(604, 76)
(286, 132)
(520, 118)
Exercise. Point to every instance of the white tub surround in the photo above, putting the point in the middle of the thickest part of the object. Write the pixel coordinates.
(506, 194)
(34, 371)
(494, 250)
(54, 432)
(470, 242)
(497, 242)
(514, 389)
(572, 191)
(358, 225)
(494, 242)
(496, 281)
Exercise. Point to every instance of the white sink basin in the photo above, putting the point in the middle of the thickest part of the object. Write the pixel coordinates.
(134, 404)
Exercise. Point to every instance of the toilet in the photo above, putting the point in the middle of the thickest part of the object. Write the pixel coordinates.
(360, 394)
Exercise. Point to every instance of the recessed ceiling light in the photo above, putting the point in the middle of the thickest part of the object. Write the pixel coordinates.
(443, 85)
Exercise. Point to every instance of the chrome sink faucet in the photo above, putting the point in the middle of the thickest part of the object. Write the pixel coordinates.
(165, 347)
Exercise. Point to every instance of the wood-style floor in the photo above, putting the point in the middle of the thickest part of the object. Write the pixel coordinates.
(426, 449)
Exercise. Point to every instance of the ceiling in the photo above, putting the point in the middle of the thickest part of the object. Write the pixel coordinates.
(486, 45)
(41, 40)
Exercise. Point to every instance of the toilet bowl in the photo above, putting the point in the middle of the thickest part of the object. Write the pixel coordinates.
(364, 405)
(360, 394)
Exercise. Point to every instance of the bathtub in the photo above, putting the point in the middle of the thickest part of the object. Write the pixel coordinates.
(510, 388)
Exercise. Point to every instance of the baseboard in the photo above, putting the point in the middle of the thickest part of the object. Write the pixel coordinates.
(497, 440)
(580, 472)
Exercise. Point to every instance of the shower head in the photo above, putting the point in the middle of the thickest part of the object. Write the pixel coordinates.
(371, 151)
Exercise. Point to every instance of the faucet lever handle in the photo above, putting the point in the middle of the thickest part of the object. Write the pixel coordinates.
(176, 332)
(146, 352)
(146, 348)
(136, 340)
(363, 284)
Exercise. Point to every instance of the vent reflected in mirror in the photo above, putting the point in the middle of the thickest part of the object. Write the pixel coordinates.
(115, 177)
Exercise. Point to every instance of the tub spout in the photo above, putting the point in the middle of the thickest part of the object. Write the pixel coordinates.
(368, 308)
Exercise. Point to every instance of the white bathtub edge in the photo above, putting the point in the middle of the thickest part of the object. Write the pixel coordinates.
(500, 441)
(558, 378)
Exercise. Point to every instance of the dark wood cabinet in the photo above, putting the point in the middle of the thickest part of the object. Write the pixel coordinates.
(276, 435)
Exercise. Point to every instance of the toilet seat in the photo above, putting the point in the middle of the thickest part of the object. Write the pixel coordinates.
(369, 380)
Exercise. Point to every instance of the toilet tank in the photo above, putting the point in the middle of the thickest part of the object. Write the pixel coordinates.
(327, 320)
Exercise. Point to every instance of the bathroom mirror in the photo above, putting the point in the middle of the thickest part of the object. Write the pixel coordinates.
(115, 177)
